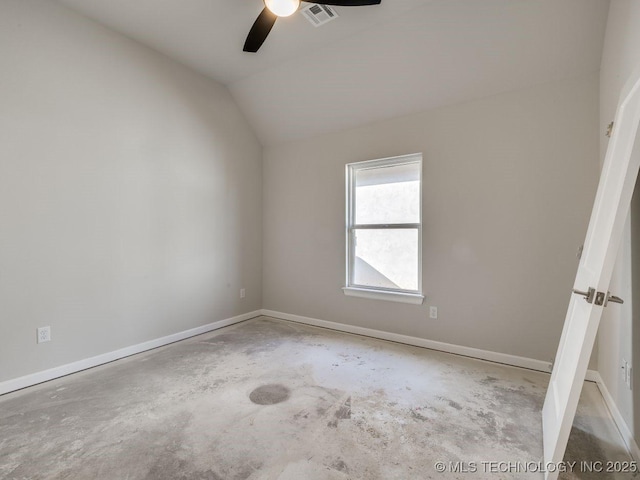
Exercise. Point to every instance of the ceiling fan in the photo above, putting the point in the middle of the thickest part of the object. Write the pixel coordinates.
(283, 8)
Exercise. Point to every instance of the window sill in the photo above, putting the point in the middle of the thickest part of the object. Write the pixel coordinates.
(413, 298)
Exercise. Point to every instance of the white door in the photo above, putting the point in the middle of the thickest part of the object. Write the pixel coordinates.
(604, 234)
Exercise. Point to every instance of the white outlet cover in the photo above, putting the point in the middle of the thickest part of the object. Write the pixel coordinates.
(433, 312)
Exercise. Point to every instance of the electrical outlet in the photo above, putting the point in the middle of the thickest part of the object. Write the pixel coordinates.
(242, 293)
(626, 373)
(44, 334)
(433, 312)
(629, 377)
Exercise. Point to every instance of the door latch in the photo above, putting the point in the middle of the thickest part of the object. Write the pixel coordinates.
(603, 299)
(598, 298)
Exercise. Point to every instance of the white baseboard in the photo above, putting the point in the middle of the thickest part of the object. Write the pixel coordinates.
(45, 375)
(495, 357)
(502, 358)
(624, 429)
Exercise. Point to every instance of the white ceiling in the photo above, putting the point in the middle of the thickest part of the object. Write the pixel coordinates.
(371, 63)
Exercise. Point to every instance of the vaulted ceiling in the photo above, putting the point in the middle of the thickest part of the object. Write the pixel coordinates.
(371, 63)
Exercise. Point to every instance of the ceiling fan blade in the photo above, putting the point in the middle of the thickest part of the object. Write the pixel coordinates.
(259, 31)
(345, 3)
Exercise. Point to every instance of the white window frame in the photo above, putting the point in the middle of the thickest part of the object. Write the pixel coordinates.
(366, 291)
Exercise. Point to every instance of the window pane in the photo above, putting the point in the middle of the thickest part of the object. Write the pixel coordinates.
(386, 258)
(388, 194)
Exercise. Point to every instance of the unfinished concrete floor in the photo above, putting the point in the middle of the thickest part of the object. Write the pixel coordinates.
(268, 399)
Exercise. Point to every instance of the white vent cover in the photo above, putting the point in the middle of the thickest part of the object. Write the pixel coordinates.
(319, 14)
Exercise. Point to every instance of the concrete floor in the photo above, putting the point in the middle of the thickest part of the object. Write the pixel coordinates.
(268, 399)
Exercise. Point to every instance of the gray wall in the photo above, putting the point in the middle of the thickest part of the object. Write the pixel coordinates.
(619, 334)
(130, 193)
(509, 182)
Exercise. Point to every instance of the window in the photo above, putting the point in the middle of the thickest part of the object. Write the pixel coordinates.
(384, 229)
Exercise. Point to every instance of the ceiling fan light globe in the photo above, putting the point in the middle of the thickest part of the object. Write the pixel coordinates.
(282, 8)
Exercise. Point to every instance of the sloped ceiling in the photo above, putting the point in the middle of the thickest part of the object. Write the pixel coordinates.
(371, 63)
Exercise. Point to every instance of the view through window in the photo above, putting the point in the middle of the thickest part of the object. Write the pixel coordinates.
(384, 224)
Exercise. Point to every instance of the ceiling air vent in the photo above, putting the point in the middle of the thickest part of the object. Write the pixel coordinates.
(319, 14)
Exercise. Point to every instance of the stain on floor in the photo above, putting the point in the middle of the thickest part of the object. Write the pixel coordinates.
(269, 394)
(268, 399)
